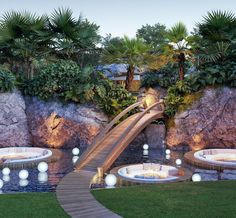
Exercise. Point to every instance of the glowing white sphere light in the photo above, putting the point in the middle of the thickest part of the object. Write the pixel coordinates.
(42, 177)
(6, 171)
(196, 177)
(178, 162)
(74, 159)
(167, 151)
(1, 183)
(110, 180)
(23, 174)
(75, 151)
(23, 182)
(42, 167)
(6, 178)
(145, 147)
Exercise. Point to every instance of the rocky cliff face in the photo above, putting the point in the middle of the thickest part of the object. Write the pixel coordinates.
(30, 121)
(209, 122)
(13, 120)
(55, 125)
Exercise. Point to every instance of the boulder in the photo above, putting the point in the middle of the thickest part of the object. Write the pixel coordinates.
(13, 120)
(54, 125)
(209, 123)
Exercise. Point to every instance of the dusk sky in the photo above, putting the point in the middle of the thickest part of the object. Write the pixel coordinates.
(120, 17)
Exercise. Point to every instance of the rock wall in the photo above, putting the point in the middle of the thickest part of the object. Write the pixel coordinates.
(208, 123)
(32, 122)
(13, 120)
(52, 124)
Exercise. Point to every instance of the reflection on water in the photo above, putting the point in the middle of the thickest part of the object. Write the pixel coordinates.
(138, 155)
(40, 182)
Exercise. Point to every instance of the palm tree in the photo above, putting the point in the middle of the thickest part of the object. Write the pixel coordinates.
(178, 46)
(133, 52)
(217, 36)
(72, 36)
(217, 26)
(23, 38)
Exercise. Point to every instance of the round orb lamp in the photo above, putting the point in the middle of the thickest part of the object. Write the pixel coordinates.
(145, 147)
(23, 174)
(6, 171)
(167, 156)
(1, 184)
(167, 151)
(75, 151)
(178, 162)
(196, 177)
(74, 159)
(23, 182)
(42, 167)
(110, 180)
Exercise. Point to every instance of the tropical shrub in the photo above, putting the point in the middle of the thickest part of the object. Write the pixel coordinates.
(214, 74)
(7, 81)
(175, 96)
(164, 77)
(116, 100)
(65, 79)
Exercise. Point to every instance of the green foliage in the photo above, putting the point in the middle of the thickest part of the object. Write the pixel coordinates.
(116, 100)
(67, 80)
(7, 81)
(217, 26)
(175, 96)
(164, 77)
(214, 74)
(154, 35)
(177, 32)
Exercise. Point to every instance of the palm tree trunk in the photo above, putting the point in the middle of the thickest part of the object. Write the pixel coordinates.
(129, 77)
(181, 60)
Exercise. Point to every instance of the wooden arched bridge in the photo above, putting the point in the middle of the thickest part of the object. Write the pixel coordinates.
(73, 192)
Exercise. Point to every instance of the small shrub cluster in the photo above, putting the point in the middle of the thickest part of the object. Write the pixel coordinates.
(116, 100)
(164, 78)
(214, 74)
(7, 81)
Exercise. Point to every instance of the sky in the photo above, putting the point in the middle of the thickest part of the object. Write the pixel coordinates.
(124, 17)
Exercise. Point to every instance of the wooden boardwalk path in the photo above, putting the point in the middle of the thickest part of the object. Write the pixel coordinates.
(73, 192)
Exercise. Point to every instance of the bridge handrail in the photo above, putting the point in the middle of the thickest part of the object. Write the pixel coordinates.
(101, 135)
(112, 152)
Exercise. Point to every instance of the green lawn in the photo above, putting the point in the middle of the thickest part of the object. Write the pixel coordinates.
(200, 200)
(30, 205)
